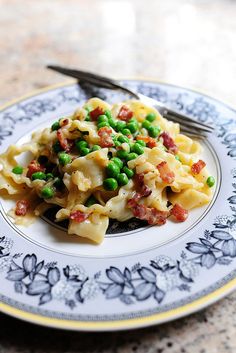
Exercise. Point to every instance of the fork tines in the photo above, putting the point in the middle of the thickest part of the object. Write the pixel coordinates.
(186, 122)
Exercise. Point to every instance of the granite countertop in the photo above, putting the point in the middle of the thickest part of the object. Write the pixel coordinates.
(185, 42)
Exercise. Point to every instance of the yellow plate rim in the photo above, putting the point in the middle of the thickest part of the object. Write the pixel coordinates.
(169, 315)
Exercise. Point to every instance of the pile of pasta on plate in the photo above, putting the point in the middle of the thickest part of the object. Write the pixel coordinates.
(103, 162)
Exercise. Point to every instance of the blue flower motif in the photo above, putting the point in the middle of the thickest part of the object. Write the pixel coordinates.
(232, 199)
(206, 251)
(153, 92)
(140, 282)
(123, 284)
(163, 262)
(37, 107)
(118, 282)
(43, 286)
(18, 273)
(230, 142)
(40, 284)
(202, 110)
(226, 241)
(4, 132)
(5, 246)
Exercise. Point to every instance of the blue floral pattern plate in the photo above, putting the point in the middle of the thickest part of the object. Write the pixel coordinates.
(140, 275)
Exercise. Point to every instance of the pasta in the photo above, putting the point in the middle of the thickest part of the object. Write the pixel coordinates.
(119, 162)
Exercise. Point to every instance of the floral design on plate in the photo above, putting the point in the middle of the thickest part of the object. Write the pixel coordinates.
(72, 285)
(161, 279)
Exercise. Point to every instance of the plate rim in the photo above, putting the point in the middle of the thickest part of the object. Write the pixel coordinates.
(158, 318)
(122, 325)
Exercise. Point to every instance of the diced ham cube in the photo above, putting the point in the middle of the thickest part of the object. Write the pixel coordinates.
(134, 200)
(149, 214)
(168, 142)
(179, 213)
(34, 167)
(22, 207)
(66, 145)
(156, 217)
(143, 189)
(125, 113)
(150, 141)
(197, 167)
(165, 173)
(105, 137)
(79, 216)
(94, 114)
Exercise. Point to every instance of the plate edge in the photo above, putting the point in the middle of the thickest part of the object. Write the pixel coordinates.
(120, 325)
(172, 314)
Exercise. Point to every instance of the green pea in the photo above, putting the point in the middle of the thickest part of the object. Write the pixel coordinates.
(81, 144)
(112, 123)
(141, 142)
(128, 172)
(117, 161)
(131, 156)
(47, 192)
(126, 131)
(110, 184)
(132, 126)
(38, 175)
(102, 119)
(84, 151)
(57, 147)
(58, 183)
(108, 114)
(123, 139)
(117, 143)
(112, 169)
(122, 179)
(210, 181)
(154, 131)
(91, 201)
(17, 170)
(120, 125)
(122, 154)
(55, 126)
(95, 148)
(49, 176)
(146, 124)
(151, 117)
(177, 158)
(103, 124)
(133, 120)
(64, 158)
(137, 148)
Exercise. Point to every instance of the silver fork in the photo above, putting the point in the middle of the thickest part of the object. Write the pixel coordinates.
(187, 124)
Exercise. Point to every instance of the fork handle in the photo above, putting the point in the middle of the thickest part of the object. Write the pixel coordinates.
(93, 78)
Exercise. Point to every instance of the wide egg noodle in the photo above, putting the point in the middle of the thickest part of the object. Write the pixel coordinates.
(89, 172)
(116, 206)
(84, 176)
(188, 149)
(13, 183)
(94, 227)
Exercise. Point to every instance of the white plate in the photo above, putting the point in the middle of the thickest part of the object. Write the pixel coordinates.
(139, 275)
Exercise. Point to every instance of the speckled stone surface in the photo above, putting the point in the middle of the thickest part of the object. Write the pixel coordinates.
(185, 42)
